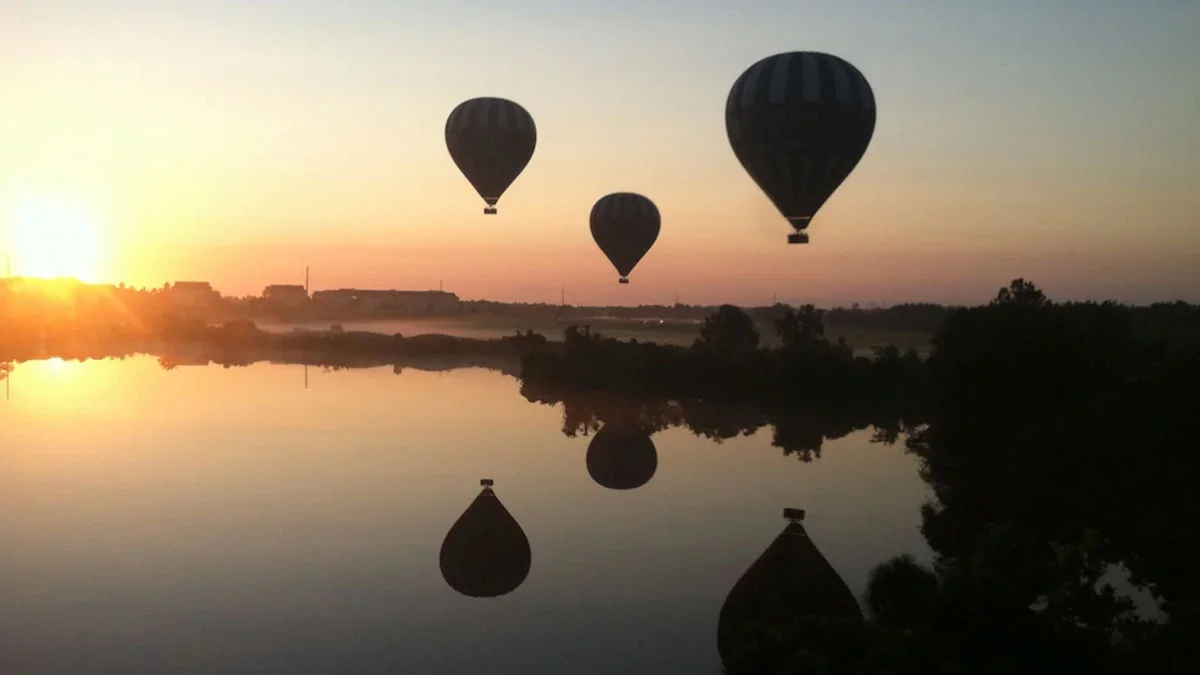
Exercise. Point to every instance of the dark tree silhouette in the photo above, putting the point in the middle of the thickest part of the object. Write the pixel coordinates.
(801, 326)
(1021, 293)
(729, 332)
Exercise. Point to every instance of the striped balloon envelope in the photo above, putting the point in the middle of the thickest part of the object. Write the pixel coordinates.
(491, 140)
(799, 123)
(625, 225)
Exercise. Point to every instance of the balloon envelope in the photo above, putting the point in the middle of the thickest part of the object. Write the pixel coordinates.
(486, 553)
(621, 458)
(799, 123)
(491, 140)
(625, 225)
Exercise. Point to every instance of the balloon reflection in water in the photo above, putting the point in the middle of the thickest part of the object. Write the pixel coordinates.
(486, 553)
(621, 457)
(791, 581)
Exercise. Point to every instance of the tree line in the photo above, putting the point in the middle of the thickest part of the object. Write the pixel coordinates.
(1058, 442)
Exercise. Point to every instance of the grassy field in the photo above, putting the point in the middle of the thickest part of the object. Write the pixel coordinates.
(678, 333)
(864, 339)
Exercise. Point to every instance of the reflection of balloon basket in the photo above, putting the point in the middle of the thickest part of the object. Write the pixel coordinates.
(489, 211)
(623, 280)
(798, 238)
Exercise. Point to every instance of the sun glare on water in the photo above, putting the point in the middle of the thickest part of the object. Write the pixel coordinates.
(56, 239)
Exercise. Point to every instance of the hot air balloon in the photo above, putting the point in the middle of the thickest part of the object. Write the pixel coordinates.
(491, 140)
(486, 553)
(799, 122)
(625, 226)
(621, 458)
(791, 580)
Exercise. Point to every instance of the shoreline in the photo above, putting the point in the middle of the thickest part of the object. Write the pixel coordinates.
(240, 345)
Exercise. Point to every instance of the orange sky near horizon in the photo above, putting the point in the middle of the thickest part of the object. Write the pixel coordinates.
(234, 145)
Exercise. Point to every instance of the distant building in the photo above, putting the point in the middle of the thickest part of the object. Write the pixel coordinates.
(193, 294)
(404, 302)
(286, 295)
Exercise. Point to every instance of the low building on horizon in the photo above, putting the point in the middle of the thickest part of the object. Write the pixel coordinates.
(403, 302)
(286, 295)
(192, 294)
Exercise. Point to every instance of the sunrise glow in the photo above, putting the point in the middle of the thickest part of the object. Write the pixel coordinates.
(54, 238)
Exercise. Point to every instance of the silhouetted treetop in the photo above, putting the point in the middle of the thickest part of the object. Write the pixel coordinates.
(1021, 293)
(729, 332)
(800, 326)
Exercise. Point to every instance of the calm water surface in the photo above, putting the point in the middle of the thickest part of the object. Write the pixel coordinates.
(210, 520)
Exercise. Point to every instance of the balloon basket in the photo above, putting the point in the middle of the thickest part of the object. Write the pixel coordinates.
(798, 238)
(623, 280)
(487, 482)
(794, 515)
(489, 211)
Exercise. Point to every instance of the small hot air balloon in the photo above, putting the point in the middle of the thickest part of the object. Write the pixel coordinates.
(791, 580)
(799, 122)
(486, 553)
(621, 458)
(491, 140)
(625, 226)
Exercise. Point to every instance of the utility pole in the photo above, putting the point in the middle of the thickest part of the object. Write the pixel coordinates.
(306, 279)
(563, 296)
(441, 289)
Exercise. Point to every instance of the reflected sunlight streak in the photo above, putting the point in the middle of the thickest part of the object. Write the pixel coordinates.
(58, 366)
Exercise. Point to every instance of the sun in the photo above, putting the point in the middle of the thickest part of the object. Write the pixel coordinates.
(56, 239)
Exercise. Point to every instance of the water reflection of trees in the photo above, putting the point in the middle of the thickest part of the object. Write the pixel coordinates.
(1059, 448)
(172, 358)
(331, 363)
(800, 431)
(177, 341)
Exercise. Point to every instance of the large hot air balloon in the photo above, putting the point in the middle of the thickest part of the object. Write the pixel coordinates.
(790, 581)
(799, 122)
(625, 226)
(486, 553)
(621, 458)
(491, 140)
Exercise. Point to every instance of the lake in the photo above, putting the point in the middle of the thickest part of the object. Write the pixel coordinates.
(266, 519)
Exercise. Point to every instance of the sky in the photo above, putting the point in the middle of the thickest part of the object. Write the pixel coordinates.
(237, 142)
